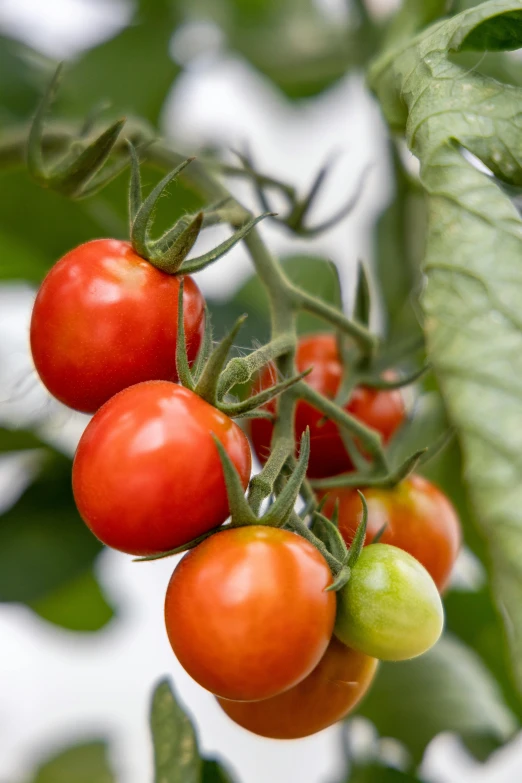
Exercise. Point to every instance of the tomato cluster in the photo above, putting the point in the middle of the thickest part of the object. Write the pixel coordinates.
(248, 610)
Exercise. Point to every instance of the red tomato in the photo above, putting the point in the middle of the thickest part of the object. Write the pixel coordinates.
(247, 613)
(147, 475)
(419, 519)
(327, 695)
(382, 410)
(104, 319)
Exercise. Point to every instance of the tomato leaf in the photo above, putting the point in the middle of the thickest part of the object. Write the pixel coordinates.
(474, 284)
(86, 763)
(446, 689)
(78, 605)
(377, 773)
(214, 772)
(176, 753)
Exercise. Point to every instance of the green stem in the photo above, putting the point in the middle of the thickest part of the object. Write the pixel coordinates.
(359, 332)
(298, 526)
(242, 369)
(370, 440)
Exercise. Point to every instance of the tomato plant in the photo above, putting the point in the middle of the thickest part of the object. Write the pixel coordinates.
(390, 608)
(381, 409)
(247, 613)
(416, 516)
(328, 694)
(147, 476)
(105, 319)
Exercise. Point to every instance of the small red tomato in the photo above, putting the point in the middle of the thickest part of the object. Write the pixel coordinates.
(105, 319)
(327, 695)
(382, 410)
(147, 476)
(247, 613)
(419, 519)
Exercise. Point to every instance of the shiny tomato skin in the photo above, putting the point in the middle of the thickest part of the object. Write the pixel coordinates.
(418, 516)
(327, 695)
(382, 410)
(390, 608)
(247, 613)
(105, 319)
(147, 476)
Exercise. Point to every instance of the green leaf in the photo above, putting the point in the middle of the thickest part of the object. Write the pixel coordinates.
(377, 773)
(474, 282)
(43, 542)
(447, 689)
(86, 763)
(176, 754)
(134, 70)
(78, 605)
(472, 617)
(18, 440)
(214, 772)
(400, 240)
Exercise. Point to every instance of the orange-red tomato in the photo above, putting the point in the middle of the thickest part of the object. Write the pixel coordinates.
(147, 476)
(327, 695)
(104, 319)
(419, 518)
(247, 613)
(382, 410)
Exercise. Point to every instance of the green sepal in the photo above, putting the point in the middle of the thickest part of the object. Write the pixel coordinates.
(134, 185)
(240, 511)
(438, 445)
(206, 347)
(345, 210)
(76, 170)
(182, 362)
(196, 264)
(207, 384)
(295, 220)
(360, 534)
(171, 260)
(362, 303)
(329, 534)
(377, 382)
(257, 414)
(183, 548)
(35, 161)
(340, 579)
(140, 228)
(251, 403)
(380, 533)
(279, 513)
(80, 165)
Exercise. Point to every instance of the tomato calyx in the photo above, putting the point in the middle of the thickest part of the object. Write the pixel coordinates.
(78, 173)
(169, 251)
(211, 377)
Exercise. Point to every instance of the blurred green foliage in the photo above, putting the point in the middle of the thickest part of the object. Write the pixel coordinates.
(47, 556)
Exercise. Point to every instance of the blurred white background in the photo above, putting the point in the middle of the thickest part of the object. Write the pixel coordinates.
(59, 686)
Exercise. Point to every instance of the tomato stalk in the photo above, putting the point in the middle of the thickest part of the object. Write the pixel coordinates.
(210, 378)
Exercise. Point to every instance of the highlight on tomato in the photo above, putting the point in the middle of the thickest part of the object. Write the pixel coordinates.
(327, 695)
(105, 319)
(416, 516)
(247, 613)
(384, 410)
(390, 608)
(147, 476)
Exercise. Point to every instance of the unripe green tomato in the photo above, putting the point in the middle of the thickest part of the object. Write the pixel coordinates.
(390, 608)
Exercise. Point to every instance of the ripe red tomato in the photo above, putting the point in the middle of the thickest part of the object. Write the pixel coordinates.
(247, 613)
(327, 695)
(105, 319)
(382, 410)
(147, 475)
(419, 518)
